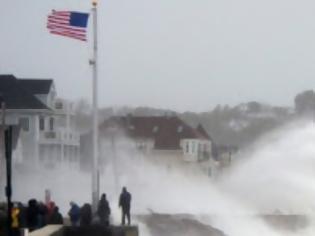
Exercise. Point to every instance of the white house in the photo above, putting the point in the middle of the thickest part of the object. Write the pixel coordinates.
(58, 139)
(46, 123)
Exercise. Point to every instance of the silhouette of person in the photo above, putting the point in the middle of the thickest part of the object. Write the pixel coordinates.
(124, 203)
(32, 215)
(86, 215)
(103, 210)
(55, 217)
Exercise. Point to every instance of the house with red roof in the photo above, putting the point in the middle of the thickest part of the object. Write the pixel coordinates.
(162, 139)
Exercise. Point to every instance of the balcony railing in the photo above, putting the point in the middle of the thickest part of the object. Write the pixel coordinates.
(50, 135)
(59, 137)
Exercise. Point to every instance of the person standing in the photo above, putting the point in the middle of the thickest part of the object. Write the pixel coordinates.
(124, 203)
(55, 217)
(15, 224)
(86, 215)
(74, 214)
(32, 215)
(103, 210)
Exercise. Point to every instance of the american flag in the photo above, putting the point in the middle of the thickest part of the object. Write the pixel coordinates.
(68, 23)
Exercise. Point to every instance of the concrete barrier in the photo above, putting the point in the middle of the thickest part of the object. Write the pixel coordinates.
(49, 230)
(93, 230)
(98, 230)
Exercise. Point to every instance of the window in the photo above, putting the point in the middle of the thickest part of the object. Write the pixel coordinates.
(199, 151)
(51, 124)
(193, 146)
(205, 147)
(187, 147)
(24, 123)
(155, 129)
(58, 105)
(41, 123)
(179, 129)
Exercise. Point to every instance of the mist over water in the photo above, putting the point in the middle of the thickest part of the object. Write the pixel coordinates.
(276, 175)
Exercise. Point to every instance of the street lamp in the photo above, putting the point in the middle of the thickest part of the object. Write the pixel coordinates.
(7, 146)
(2, 107)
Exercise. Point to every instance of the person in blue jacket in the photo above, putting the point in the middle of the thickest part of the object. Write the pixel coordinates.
(74, 214)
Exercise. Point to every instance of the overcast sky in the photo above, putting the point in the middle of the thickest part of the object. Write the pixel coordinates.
(177, 54)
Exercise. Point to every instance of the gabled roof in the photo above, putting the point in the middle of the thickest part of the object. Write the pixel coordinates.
(202, 131)
(16, 96)
(36, 86)
(164, 130)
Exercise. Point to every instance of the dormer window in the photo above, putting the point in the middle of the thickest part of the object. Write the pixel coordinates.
(155, 129)
(180, 129)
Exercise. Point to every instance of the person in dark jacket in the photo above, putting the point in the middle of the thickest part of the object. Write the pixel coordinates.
(3, 219)
(32, 215)
(74, 214)
(42, 214)
(22, 215)
(103, 210)
(124, 203)
(86, 215)
(55, 218)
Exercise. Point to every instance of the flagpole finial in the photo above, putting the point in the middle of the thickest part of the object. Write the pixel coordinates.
(94, 3)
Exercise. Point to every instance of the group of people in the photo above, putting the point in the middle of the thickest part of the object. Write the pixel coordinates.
(37, 214)
(83, 216)
(34, 216)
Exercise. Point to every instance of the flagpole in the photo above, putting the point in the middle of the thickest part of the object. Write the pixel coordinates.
(95, 168)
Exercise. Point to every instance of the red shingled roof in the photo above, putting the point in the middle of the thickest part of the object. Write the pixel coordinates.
(164, 130)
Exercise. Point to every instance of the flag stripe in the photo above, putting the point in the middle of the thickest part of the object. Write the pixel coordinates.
(66, 18)
(68, 31)
(61, 13)
(56, 26)
(71, 35)
(59, 22)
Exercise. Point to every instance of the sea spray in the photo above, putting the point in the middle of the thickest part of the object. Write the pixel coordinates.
(276, 177)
